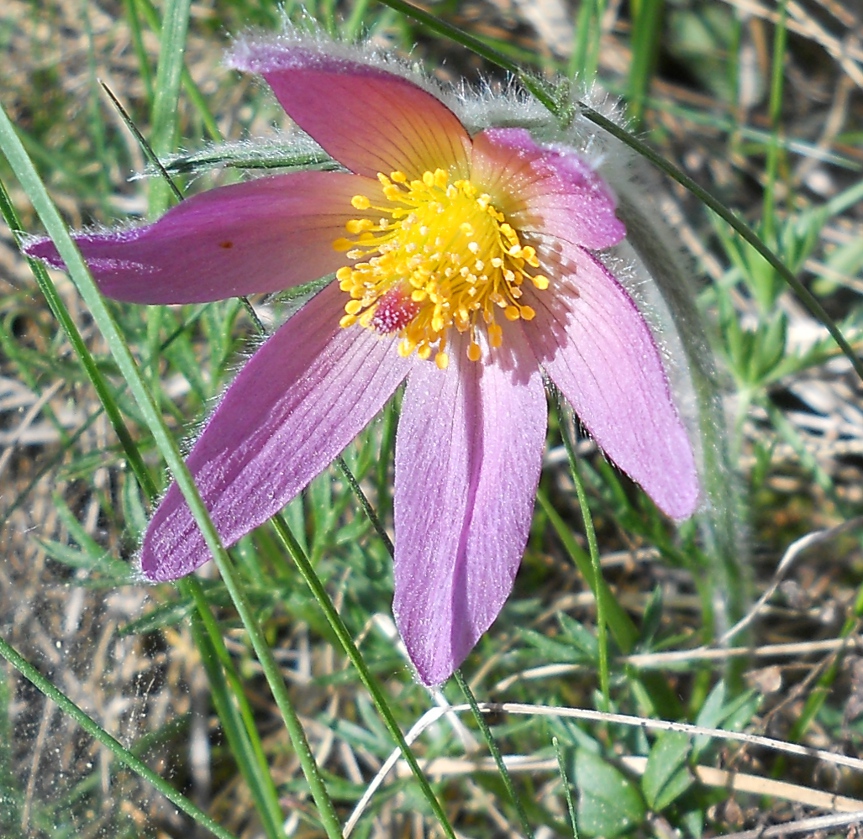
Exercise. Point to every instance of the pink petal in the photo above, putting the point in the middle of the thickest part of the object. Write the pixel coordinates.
(306, 393)
(262, 236)
(597, 348)
(545, 191)
(468, 456)
(368, 119)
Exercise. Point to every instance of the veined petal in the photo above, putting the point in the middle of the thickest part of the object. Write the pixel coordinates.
(597, 348)
(262, 236)
(545, 191)
(468, 455)
(367, 118)
(305, 394)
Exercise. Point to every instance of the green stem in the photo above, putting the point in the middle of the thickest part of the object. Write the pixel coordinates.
(235, 715)
(357, 490)
(495, 752)
(584, 61)
(645, 38)
(173, 29)
(741, 228)
(567, 792)
(623, 630)
(273, 675)
(593, 549)
(192, 90)
(341, 631)
(61, 313)
(772, 163)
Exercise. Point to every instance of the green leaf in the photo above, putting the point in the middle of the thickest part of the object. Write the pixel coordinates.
(175, 24)
(609, 804)
(666, 776)
(716, 712)
(580, 637)
(168, 614)
(246, 155)
(651, 624)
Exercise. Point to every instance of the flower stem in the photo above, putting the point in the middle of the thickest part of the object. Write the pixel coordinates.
(593, 548)
(495, 752)
(338, 626)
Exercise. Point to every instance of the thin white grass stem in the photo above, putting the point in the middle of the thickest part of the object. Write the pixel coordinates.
(793, 551)
(756, 785)
(814, 825)
(434, 714)
(827, 645)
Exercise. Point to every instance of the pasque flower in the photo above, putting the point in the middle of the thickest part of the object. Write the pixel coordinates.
(473, 260)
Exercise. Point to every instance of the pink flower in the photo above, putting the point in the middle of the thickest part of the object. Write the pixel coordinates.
(470, 264)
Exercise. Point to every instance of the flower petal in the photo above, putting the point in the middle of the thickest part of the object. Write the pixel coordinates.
(468, 456)
(545, 191)
(262, 236)
(369, 119)
(596, 347)
(306, 393)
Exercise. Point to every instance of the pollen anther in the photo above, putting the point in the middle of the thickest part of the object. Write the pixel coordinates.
(439, 256)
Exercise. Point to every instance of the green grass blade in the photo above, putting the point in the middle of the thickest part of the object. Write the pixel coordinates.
(61, 313)
(623, 630)
(337, 624)
(111, 743)
(584, 61)
(172, 50)
(140, 50)
(645, 42)
(495, 753)
(593, 548)
(255, 769)
(740, 227)
(29, 179)
(773, 148)
(260, 782)
(11, 786)
(192, 90)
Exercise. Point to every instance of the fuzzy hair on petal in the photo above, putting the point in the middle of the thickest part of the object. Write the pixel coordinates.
(249, 49)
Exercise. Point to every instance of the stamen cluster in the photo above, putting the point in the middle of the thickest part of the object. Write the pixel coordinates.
(440, 256)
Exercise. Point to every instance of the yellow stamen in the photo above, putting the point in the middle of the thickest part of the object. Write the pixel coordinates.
(440, 256)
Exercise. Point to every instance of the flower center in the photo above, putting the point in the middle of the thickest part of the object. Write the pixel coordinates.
(440, 256)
